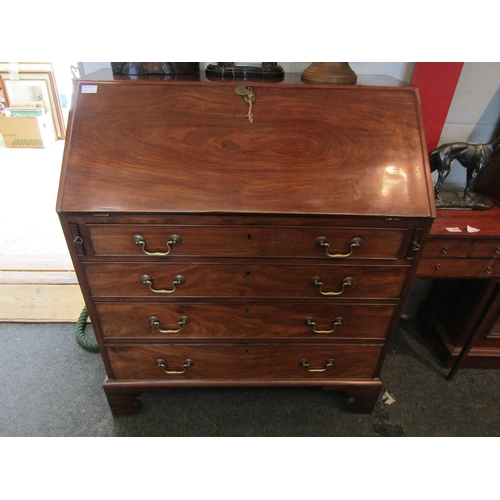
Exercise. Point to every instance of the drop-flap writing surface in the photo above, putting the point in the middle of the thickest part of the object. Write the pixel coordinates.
(190, 147)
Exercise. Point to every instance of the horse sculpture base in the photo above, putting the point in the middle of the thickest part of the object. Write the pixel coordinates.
(457, 201)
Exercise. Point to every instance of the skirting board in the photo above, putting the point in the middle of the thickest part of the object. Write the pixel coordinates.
(39, 289)
(35, 303)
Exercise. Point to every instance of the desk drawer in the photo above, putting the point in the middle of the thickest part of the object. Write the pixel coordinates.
(243, 241)
(446, 247)
(486, 249)
(458, 268)
(223, 280)
(252, 362)
(187, 320)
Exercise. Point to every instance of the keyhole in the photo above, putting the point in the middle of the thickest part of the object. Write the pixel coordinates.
(249, 237)
(247, 312)
(247, 275)
(246, 353)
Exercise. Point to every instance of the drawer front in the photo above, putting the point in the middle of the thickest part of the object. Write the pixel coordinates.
(250, 362)
(458, 268)
(486, 249)
(187, 320)
(446, 247)
(219, 280)
(244, 241)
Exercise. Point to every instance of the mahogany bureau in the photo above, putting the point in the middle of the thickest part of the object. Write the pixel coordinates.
(244, 233)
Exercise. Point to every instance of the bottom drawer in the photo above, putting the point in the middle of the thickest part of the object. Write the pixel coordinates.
(244, 362)
(458, 268)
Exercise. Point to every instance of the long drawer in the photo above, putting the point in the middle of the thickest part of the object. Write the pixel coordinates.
(223, 280)
(252, 320)
(243, 362)
(244, 241)
(458, 268)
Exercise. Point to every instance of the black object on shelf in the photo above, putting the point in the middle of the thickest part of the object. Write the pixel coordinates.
(229, 70)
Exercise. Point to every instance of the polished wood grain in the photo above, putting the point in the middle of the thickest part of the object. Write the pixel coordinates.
(250, 362)
(181, 147)
(246, 241)
(485, 249)
(464, 254)
(122, 321)
(244, 280)
(446, 248)
(487, 221)
(156, 158)
(463, 303)
(449, 268)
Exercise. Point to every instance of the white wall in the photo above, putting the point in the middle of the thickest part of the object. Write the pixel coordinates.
(474, 114)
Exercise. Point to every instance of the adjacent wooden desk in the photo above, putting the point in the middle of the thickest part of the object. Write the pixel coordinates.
(463, 306)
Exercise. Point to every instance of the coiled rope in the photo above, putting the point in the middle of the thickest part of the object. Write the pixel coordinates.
(84, 342)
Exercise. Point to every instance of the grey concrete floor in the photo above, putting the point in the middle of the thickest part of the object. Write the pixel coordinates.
(50, 386)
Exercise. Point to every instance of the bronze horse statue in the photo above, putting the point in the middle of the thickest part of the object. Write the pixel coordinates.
(474, 157)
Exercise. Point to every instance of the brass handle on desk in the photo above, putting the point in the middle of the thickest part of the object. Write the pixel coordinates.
(322, 242)
(336, 322)
(173, 241)
(316, 281)
(145, 279)
(162, 363)
(497, 251)
(154, 321)
(304, 363)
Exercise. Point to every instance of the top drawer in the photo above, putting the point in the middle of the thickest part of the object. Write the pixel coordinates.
(163, 241)
(446, 247)
(486, 249)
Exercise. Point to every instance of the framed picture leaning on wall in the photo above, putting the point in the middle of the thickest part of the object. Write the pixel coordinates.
(33, 85)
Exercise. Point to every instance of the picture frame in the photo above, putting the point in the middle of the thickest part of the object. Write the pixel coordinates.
(33, 84)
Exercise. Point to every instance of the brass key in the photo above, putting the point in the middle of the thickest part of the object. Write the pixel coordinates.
(241, 90)
(250, 98)
(248, 94)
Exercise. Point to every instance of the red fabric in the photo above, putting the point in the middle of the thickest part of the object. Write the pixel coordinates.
(436, 83)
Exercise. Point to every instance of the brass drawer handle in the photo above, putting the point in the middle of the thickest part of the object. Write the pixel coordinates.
(444, 250)
(488, 270)
(145, 279)
(173, 241)
(497, 251)
(316, 281)
(304, 363)
(322, 242)
(162, 363)
(336, 322)
(154, 321)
